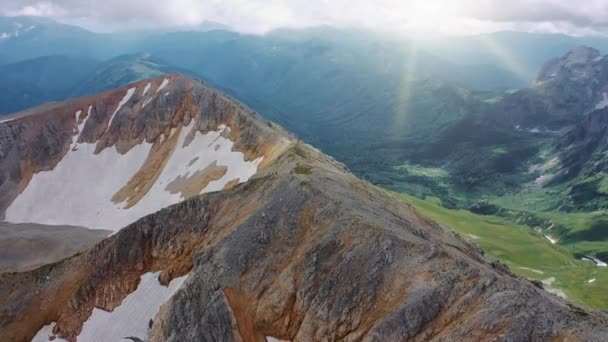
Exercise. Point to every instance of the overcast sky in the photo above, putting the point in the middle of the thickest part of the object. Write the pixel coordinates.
(576, 17)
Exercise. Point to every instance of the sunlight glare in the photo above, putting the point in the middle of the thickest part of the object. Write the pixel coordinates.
(429, 16)
(400, 126)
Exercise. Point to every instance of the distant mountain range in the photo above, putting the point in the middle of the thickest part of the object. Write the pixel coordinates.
(122, 70)
(513, 119)
(500, 60)
(395, 100)
(43, 79)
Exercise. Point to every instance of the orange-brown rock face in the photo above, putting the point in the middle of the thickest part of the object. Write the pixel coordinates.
(302, 251)
(297, 256)
(135, 150)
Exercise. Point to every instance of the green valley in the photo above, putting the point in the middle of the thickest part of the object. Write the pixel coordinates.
(526, 252)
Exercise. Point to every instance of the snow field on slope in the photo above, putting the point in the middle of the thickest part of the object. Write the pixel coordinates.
(45, 334)
(79, 190)
(202, 151)
(130, 319)
(133, 316)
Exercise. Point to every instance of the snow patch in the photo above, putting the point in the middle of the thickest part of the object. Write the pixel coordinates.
(80, 127)
(147, 101)
(543, 180)
(550, 164)
(272, 339)
(551, 239)
(124, 100)
(548, 283)
(103, 175)
(132, 316)
(82, 186)
(203, 150)
(146, 88)
(532, 270)
(603, 102)
(45, 334)
(6, 120)
(163, 85)
(591, 280)
(599, 262)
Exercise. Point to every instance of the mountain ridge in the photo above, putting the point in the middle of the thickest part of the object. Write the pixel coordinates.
(300, 250)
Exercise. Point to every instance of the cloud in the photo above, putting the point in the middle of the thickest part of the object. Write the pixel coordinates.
(453, 16)
(37, 9)
(583, 13)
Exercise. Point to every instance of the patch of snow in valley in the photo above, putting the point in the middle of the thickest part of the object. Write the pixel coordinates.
(603, 102)
(551, 239)
(45, 334)
(591, 280)
(163, 85)
(532, 270)
(548, 283)
(124, 100)
(599, 262)
(537, 130)
(133, 315)
(546, 166)
(542, 180)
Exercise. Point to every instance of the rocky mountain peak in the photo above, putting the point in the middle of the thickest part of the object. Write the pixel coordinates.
(576, 64)
(147, 145)
(581, 55)
(582, 153)
(258, 236)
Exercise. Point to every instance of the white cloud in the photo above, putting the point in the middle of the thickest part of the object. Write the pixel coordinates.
(38, 9)
(446, 16)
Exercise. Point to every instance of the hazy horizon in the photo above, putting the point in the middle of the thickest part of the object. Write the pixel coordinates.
(410, 17)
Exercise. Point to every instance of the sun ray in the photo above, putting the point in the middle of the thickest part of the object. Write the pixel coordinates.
(506, 58)
(403, 99)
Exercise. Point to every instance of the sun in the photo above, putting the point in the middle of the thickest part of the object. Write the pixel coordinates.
(430, 16)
